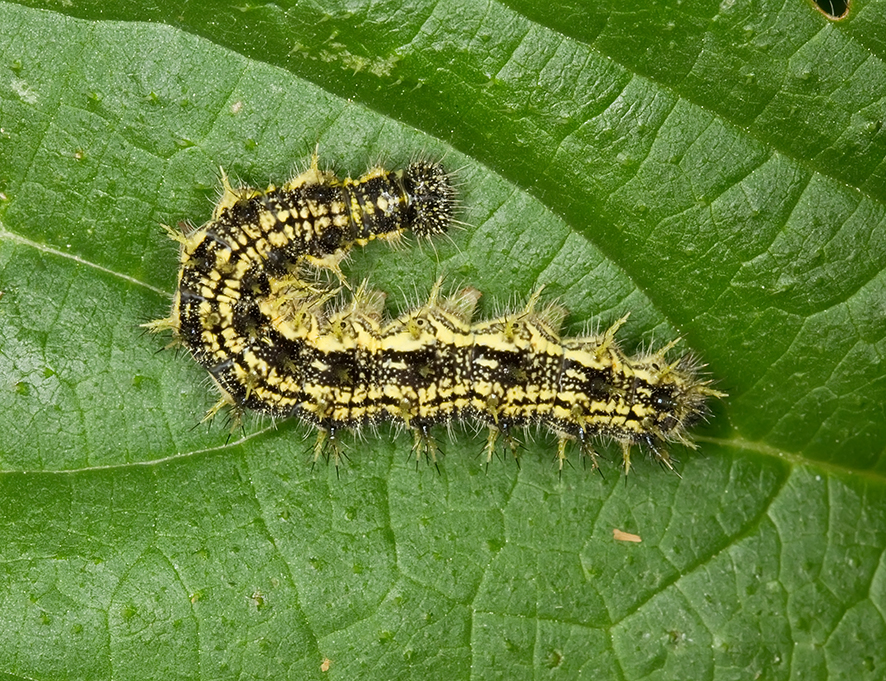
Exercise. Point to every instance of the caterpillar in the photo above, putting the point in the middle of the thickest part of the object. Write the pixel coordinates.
(249, 310)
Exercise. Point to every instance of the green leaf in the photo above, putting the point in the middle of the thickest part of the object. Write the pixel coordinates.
(715, 168)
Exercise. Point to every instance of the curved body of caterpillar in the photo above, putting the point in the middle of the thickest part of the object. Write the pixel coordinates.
(256, 237)
(264, 330)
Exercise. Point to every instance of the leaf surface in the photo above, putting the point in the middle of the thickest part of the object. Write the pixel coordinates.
(716, 169)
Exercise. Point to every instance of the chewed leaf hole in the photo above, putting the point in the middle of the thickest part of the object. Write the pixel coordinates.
(833, 9)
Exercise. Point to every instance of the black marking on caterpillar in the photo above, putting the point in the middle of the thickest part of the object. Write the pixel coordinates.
(273, 343)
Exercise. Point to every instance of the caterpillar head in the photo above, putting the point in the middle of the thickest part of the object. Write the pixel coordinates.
(431, 197)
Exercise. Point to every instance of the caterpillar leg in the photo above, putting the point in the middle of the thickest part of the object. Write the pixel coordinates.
(327, 446)
(233, 415)
(661, 455)
(510, 442)
(585, 447)
(216, 408)
(162, 325)
(425, 444)
(626, 455)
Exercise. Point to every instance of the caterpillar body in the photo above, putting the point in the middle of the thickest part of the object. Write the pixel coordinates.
(249, 311)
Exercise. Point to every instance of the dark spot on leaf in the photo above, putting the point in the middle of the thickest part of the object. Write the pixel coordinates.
(833, 9)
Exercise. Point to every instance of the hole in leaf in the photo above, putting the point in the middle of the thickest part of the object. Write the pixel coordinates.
(833, 9)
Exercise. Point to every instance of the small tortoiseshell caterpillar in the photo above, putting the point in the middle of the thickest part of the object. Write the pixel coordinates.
(263, 327)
